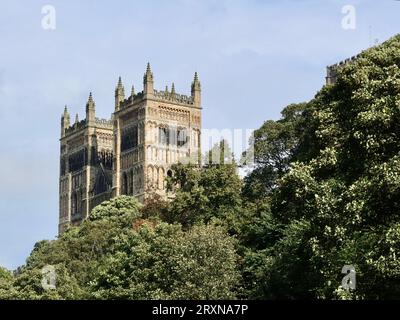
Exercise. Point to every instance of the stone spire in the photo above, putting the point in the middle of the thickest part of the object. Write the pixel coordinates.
(76, 119)
(173, 88)
(148, 82)
(196, 82)
(65, 121)
(133, 91)
(196, 90)
(90, 110)
(119, 85)
(119, 94)
(148, 69)
(90, 99)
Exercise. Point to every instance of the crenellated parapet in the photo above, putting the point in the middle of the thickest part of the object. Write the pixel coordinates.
(103, 123)
(135, 98)
(90, 121)
(166, 96)
(332, 71)
(161, 96)
(77, 126)
(80, 125)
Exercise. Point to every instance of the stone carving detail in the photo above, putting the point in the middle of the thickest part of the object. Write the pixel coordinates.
(173, 114)
(173, 97)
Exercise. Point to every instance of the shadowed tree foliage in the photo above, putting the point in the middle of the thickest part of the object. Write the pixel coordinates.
(117, 254)
(212, 192)
(276, 144)
(203, 194)
(163, 262)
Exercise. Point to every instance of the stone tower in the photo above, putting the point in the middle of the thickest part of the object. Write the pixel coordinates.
(130, 154)
(153, 130)
(85, 165)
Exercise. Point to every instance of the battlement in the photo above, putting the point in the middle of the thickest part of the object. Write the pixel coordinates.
(134, 98)
(161, 95)
(173, 97)
(149, 93)
(332, 71)
(99, 123)
(346, 61)
(77, 126)
(104, 123)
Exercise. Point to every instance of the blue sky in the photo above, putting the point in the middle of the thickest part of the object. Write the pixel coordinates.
(253, 57)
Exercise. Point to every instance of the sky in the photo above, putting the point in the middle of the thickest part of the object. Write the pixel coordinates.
(253, 58)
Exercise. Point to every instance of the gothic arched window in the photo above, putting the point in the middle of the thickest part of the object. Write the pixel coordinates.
(124, 183)
(130, 184)
(74, 203)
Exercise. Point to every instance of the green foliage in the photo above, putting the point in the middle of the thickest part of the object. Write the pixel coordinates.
(163, 262)
(339, 203)
(28, 285)
(276, 144)
(122, 208)
(203, 194)
(117, 254)
(7, 290)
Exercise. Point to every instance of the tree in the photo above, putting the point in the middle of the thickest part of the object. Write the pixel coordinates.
(78, 253)
(118, 253)
(276, 145)
(340, 206)
(202, 194)
(160, 261)
(7, 290)
(122, 208)
(28, 285)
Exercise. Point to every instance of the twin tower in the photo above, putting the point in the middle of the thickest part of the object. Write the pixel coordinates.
(130, 154)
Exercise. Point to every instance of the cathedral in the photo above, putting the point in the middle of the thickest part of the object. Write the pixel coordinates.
(130, 154)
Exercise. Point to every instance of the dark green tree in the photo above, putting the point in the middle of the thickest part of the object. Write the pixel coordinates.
(202, 194)
(275, 145)
(340, 206)
(160, 261)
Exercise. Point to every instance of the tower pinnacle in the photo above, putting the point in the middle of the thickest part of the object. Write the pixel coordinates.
(90, 100)
(119, 94)
(119, 85)
(148, 83)
(90, 110)
(196, 90)
(65, 119)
